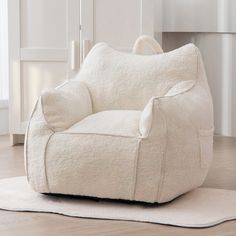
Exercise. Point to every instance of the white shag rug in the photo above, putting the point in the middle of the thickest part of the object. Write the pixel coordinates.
(202, 207)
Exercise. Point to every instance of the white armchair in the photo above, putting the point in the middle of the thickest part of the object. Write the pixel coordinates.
(135, 127)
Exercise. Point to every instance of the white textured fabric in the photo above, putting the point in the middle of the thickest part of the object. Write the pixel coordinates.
(146, 118)
(91, 165)
(146, 45)
(116, 122)
(203, 207)
(149, 137)
(63, 108)
(121, 81)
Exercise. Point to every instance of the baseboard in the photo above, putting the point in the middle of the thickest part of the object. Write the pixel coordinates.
(17, 139)
(4, 117)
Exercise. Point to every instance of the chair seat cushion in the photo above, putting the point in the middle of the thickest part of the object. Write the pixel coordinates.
(113, 122)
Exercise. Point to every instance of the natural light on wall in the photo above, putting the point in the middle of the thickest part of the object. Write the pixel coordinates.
(3, 49)
(4, 86)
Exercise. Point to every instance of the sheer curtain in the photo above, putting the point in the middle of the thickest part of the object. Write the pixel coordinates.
(3, 52)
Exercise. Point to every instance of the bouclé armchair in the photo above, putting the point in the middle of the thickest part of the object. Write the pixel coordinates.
(129, 126)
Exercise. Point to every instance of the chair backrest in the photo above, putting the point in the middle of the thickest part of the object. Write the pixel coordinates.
(119, 80)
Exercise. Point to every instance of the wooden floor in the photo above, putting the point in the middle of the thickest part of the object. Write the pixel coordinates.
(221, 175)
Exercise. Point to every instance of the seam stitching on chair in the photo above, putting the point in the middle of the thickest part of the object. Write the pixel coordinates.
(48, 124)
(90, 96)
(153, 101)
(26, 139)
(135, 170)
(45, 162)
(111, 135)
(163, 161)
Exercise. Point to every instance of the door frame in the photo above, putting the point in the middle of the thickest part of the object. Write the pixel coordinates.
(86, 19)
(18, 54)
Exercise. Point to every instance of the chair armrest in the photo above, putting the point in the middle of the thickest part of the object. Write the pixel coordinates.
(181, 123)
(186, 106)
(65, 105)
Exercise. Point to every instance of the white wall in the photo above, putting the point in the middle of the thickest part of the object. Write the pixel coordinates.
(199, 16)
(158, 20)
(211, 25)
(3, 68)
(4, 117)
